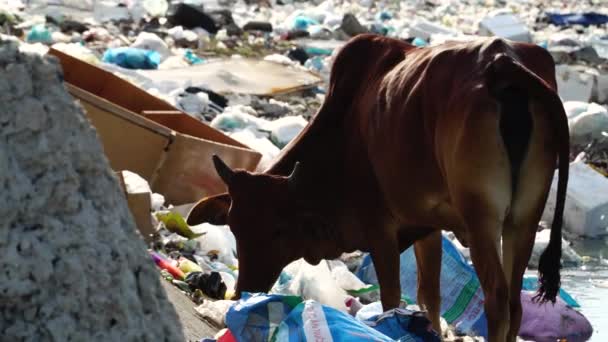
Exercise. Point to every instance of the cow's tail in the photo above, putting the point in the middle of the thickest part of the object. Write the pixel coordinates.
(507, 79)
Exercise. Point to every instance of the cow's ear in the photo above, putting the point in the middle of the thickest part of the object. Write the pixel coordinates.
(212, 210)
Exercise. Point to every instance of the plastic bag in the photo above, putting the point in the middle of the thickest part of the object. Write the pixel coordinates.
(312, 282)
(461, 293)
(262, 317)
(217, 241)
(150, 41)
(256, 316)
(548, 322)
(132, 58)
(404, 325)
(311, 321)
(283, 130)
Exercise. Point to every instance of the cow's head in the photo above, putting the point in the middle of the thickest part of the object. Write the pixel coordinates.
(265, 220)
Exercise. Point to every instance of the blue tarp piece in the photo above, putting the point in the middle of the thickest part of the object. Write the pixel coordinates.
(585, 19)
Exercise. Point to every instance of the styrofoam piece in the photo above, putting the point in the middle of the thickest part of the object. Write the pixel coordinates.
(589, 124)
(575, 83)
(586, 210)
(575, 108)
(425, 29)
(506, 26)
(602, 87)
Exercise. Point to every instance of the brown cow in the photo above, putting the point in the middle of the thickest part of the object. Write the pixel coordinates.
(461, 136)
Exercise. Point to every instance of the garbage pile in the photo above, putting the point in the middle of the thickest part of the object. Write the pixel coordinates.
(188, 53)
(257, 71)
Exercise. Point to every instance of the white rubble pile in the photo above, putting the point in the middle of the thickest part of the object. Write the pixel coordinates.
(73, 266)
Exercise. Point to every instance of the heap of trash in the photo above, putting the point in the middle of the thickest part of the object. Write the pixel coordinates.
(168, 83)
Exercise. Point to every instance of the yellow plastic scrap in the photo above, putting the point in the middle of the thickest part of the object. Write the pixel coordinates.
(176, 224)
(188, 266)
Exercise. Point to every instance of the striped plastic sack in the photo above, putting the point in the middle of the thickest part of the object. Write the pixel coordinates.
(262, 317)
(311, 321)
(256, 316)
(461, 293)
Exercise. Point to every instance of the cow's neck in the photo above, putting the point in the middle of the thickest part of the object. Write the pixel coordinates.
(320, 151)
(325, 149)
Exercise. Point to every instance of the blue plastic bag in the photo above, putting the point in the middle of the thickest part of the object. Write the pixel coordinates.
(530, 283)
(311, 321)
(262, 317)
(256, 316)
(302, 23)
(404, 325)
(39, 34)
(132, 58)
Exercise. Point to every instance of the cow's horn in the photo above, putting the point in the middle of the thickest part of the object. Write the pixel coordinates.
(223, 170)
(292, 179)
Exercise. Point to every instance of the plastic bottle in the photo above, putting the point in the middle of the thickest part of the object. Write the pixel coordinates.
(164, 264)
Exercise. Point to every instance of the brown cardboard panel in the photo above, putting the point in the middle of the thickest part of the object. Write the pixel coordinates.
(176, 165)
(188, 174)
(237, 76)
(106, 85)
(140, 205)
(129, 142)
(185, 124)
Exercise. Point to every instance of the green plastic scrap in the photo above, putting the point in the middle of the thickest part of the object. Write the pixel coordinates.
(176, 224)
(181, 285)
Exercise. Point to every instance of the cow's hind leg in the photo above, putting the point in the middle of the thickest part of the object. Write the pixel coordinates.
(428, 260)
(517, 243)
(484, 241)
(526, 209)
(479, 180)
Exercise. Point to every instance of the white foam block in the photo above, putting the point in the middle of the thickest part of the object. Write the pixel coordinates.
(586, 210)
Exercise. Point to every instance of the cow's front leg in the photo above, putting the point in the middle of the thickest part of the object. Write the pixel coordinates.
(385, 255)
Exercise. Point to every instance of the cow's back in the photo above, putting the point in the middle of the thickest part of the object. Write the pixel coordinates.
(423, 106)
